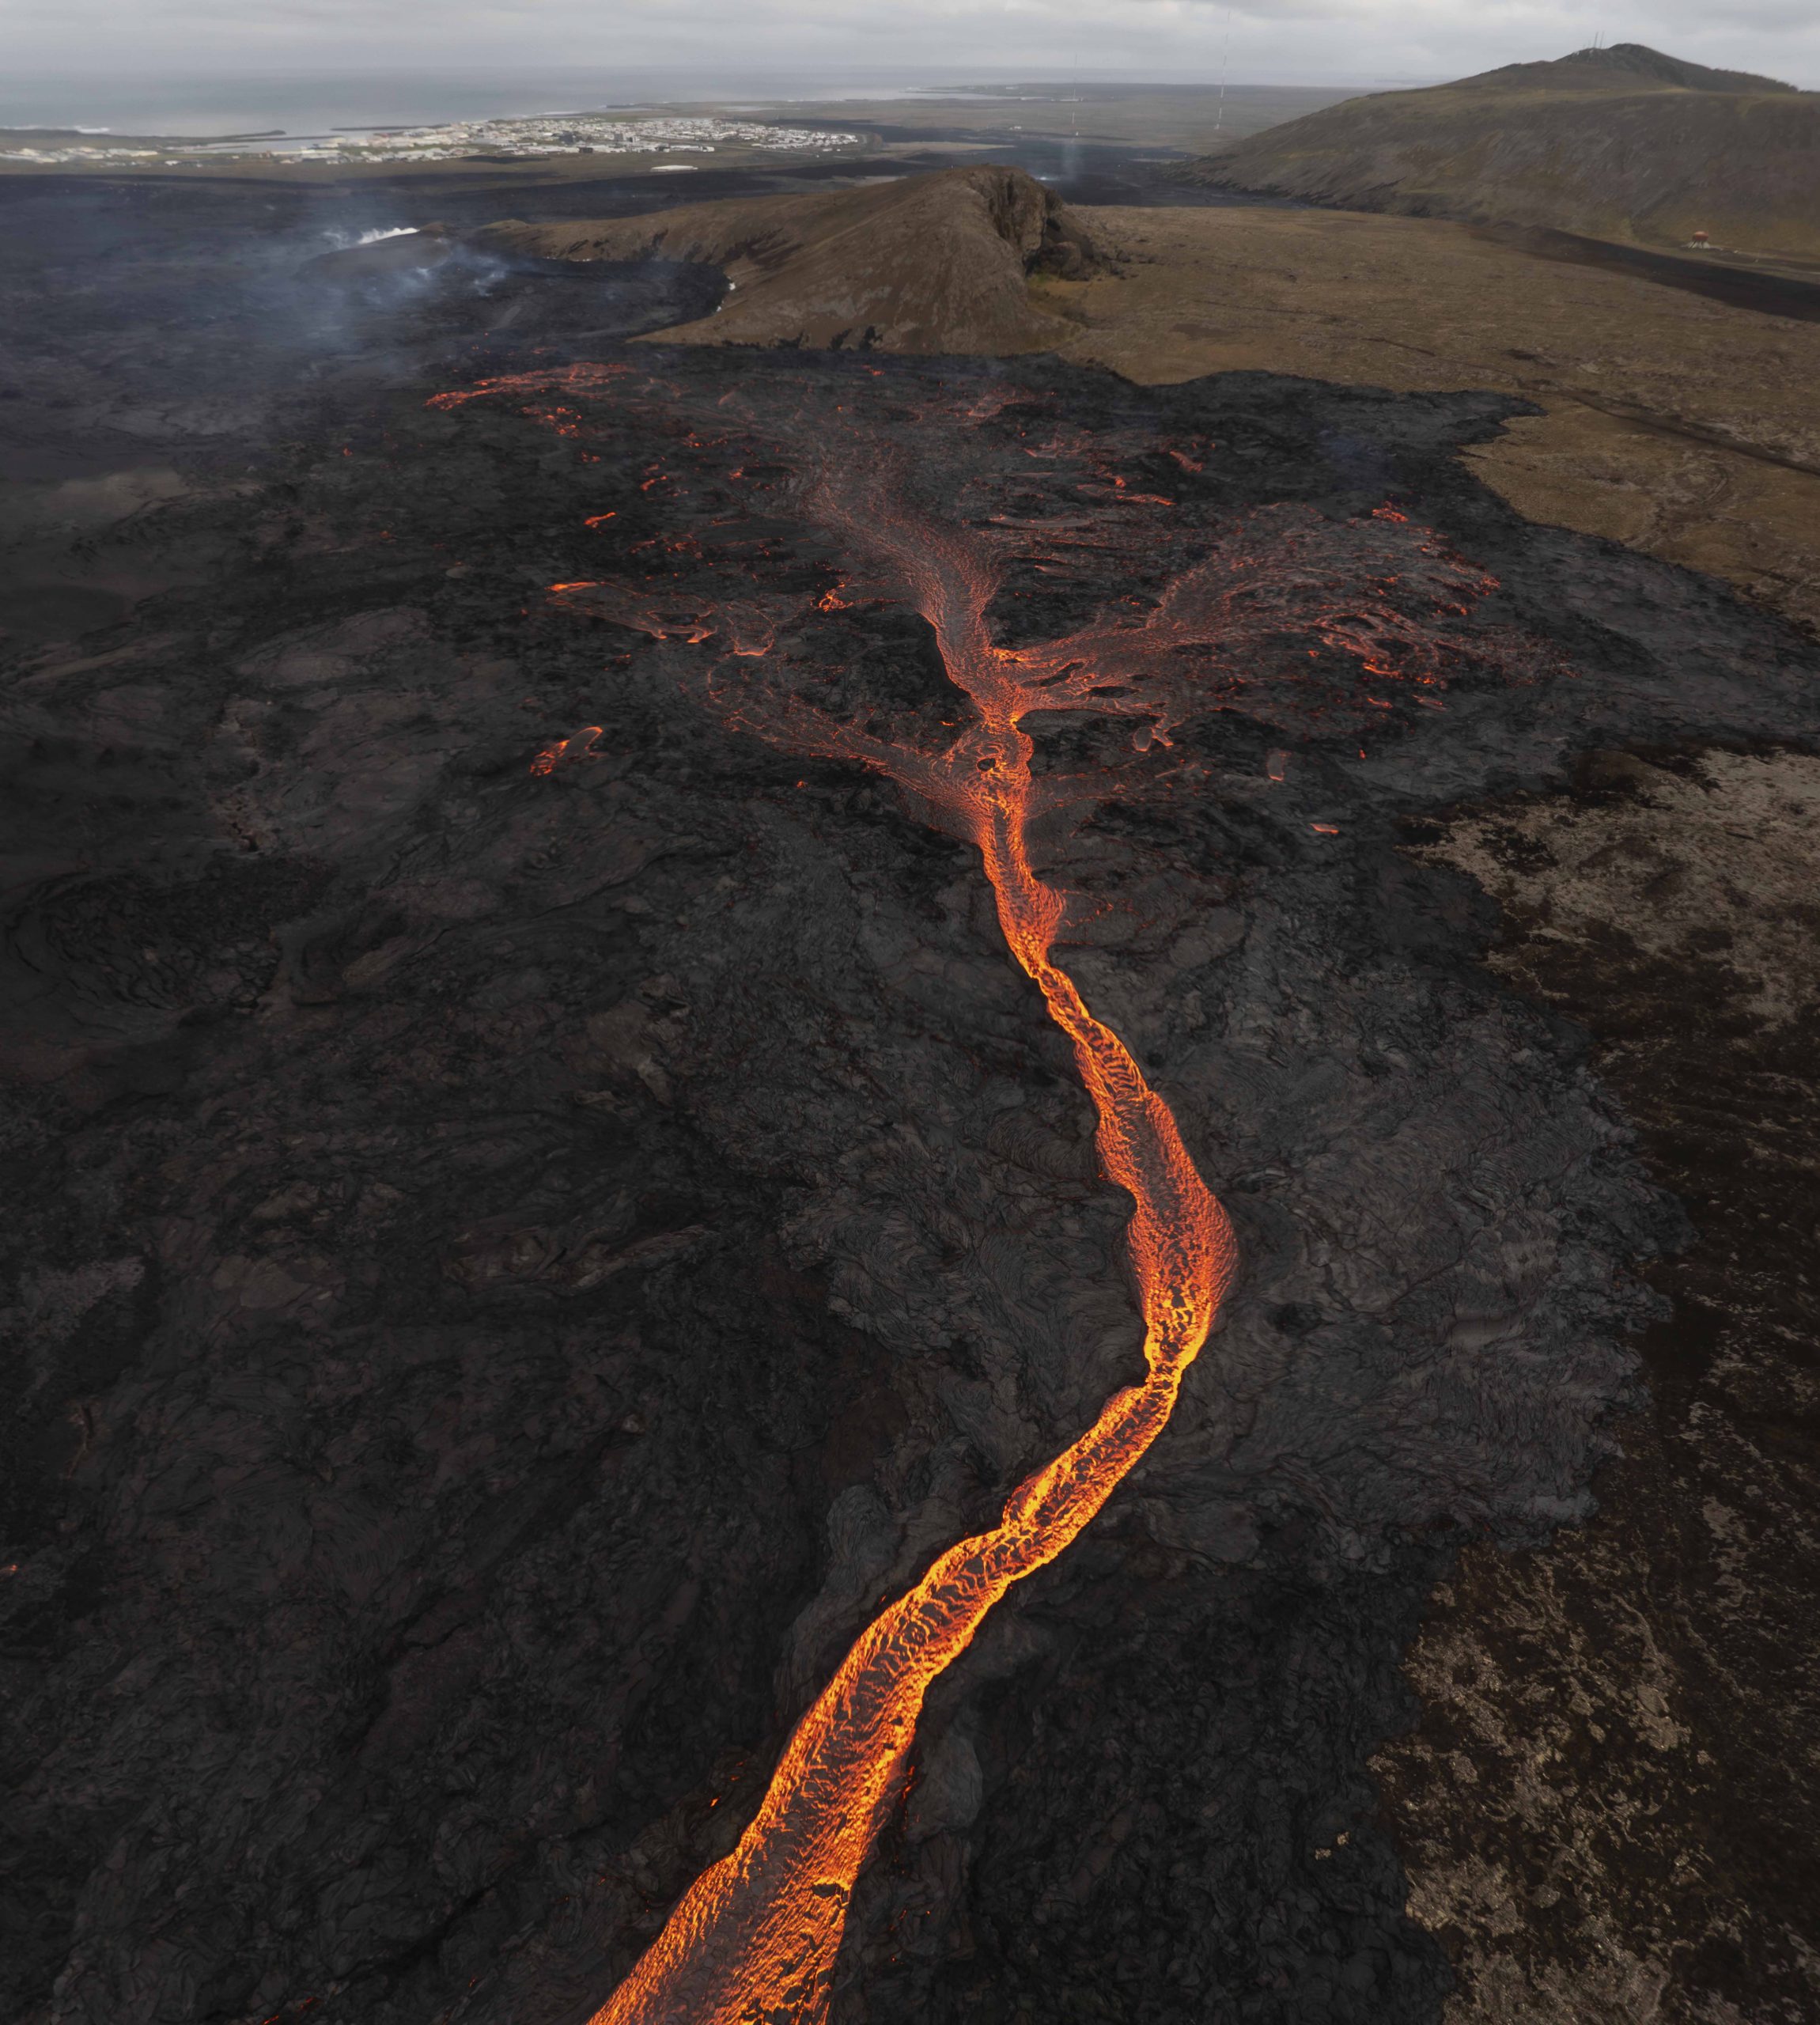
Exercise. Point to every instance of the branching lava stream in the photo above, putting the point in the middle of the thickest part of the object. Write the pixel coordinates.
(756, 1936)
(1294, 618)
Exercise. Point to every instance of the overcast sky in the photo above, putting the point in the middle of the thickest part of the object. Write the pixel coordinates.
(1270, 41)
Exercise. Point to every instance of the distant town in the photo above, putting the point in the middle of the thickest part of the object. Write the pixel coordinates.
(574, 133)
(551, 133)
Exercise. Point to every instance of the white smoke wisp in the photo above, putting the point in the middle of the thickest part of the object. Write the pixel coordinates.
(340, 238)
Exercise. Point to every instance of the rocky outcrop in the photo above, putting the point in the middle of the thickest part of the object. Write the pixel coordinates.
(932, 263)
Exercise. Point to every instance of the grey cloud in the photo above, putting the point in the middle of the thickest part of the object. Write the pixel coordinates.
(1269, 40)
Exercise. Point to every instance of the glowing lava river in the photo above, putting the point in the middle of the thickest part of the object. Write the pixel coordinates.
(755, 1937)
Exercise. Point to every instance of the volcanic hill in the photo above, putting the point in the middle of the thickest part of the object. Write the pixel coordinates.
(1622, 143)
(931, 264)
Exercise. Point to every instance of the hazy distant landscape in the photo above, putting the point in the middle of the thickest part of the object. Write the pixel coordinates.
(1175, 120)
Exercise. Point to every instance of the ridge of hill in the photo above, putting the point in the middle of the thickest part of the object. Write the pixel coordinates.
(928, 263)
(1624, 143)
(1626, 65)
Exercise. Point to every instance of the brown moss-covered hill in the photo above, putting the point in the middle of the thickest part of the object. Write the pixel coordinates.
(931, 264)
(1622, 143)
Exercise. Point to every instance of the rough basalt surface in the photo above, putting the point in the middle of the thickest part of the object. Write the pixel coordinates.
(513, 1266)
(1605, 1805)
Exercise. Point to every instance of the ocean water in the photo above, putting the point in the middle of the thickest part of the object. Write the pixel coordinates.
(300, 103)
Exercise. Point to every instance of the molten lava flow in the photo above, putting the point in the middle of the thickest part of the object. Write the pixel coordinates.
(756, 1937)
(1305, 626)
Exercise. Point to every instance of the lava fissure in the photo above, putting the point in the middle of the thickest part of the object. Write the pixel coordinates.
(1285, 613)
(755, 1937)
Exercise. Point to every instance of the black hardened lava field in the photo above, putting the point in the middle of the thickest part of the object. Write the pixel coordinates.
(546, 1201)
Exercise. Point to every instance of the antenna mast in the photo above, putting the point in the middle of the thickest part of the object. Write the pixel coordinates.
(1225, 63)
